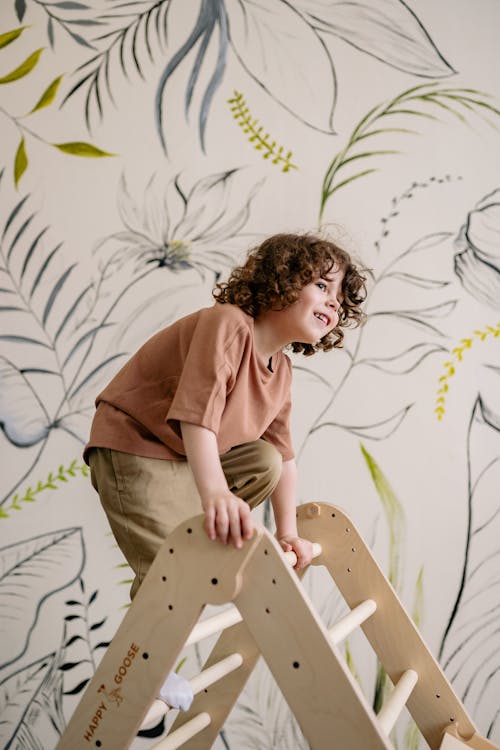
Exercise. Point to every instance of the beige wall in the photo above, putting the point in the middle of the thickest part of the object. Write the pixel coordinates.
(104, 243)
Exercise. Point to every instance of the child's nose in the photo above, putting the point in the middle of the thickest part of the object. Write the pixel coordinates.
(334, 303)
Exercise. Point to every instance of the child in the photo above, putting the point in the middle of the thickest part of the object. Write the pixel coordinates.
(198, 419)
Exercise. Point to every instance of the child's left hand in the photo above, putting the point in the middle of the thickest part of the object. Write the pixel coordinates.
(303, 549)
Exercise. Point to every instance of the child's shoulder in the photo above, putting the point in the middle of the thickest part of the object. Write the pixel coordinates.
(228, 314)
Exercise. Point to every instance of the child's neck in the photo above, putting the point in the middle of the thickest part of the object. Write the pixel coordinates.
(267, 335)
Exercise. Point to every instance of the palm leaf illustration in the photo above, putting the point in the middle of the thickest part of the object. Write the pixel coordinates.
(470, 644)
(134, 39)
(424, 102)
(29, 697)
(30, 572)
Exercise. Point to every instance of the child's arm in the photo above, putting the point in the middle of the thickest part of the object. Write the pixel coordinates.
(226, 515)
(283, 501)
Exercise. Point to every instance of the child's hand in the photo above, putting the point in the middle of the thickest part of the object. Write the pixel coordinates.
(227, 517)
(303, 549)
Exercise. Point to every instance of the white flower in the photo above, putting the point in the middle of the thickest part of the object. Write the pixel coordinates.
(477, 265)
(178, 229)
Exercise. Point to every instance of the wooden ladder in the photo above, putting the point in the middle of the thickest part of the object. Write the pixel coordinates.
(271, 616)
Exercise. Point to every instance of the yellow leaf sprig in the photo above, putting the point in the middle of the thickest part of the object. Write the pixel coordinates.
(260, 140)
(457, 355)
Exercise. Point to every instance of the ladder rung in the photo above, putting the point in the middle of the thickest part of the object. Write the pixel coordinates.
(389, 713)
(212, 625)
(355, 617)
(231, 616)
(198, 683)
(216, 672)
(184, 733)
(201, 630)
(291, 557)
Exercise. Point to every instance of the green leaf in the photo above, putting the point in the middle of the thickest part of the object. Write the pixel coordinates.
(10, 36)
(25, 67)
(418, 602)
(350, 179)
(48, 95)
(79, 148)
(20, 162)
(394, 515)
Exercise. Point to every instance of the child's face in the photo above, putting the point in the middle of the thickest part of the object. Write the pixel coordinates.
(316, 311)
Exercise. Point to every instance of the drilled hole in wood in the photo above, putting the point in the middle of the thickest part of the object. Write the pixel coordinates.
(438, 695)
(170, 607)
(274, 581)
(333, 515)
(296, 665)
(214, 581)
(347, 530)
(171, 551)
(190, 531)
(145, 655)
(98, 743)
(268, 611)
(353, 549)
(266, 552)
(348, 570)
(164, 578)
(452, 718)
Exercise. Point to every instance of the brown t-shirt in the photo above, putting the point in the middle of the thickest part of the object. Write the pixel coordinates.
(204, 370)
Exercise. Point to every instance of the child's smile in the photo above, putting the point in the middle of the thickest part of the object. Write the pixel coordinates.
(316, 311)
(314, 314)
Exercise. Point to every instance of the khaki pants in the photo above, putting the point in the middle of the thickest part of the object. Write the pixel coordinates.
(146, 498)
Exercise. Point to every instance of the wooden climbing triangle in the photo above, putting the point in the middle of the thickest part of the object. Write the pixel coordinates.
(270, 616)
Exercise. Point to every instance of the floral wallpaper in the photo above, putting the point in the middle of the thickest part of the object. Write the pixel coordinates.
(145, 146)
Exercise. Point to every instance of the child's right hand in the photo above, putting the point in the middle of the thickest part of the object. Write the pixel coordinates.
(227, 518)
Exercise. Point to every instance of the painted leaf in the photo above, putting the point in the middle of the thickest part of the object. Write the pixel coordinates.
(207, 205)
(50, 32)
(23, 417)
(30, 572)
(286, 57)
(10, 36)
(79, 148)
(388, 30)
(20, 162)
(374, 431)
(23, 69)
(394, 514)
(472, 637)
(430, 240)
(481, 280)
(419, 281)
(404, 362)
(70, 5)
(20, 6)
(48, 95)
(17, 692)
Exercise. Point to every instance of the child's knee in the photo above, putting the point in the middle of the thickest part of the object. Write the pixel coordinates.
(271, 462)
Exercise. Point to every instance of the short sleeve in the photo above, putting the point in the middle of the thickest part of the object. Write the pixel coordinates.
(212, 359)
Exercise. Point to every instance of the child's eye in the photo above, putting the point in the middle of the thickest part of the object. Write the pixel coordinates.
(321, 285)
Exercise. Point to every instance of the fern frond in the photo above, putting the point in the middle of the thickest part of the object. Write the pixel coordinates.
(261, 142)
(457, 356)
(62, 474)
(413, 103)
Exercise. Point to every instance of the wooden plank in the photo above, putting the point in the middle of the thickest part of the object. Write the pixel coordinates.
(188, 572)
(391, 632)
(323, 695)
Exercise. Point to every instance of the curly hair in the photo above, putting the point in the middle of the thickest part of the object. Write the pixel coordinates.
(277, 270)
